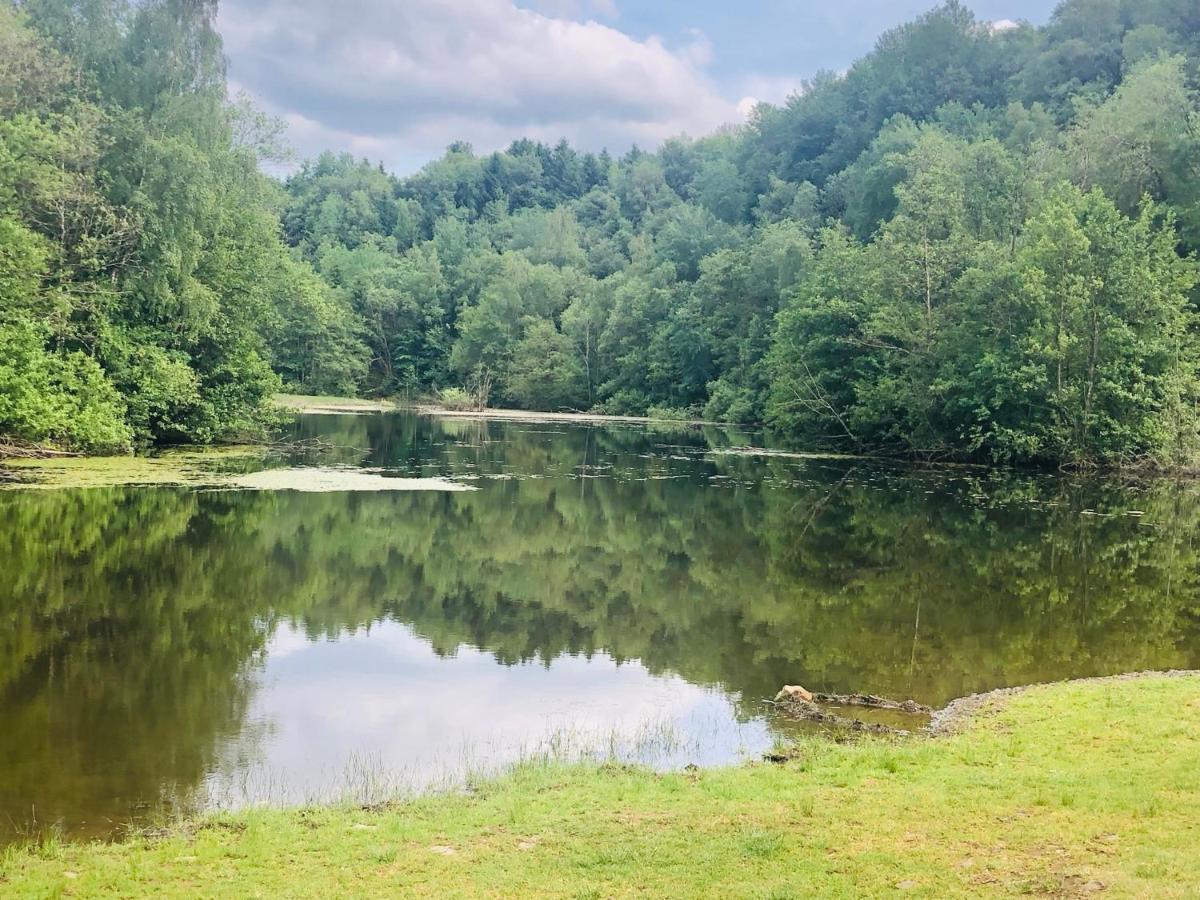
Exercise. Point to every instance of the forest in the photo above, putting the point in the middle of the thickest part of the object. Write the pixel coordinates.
(975, 243)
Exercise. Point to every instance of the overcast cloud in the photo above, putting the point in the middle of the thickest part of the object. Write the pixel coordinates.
(397, 80)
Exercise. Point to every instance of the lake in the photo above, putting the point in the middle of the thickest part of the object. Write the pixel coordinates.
(599, 591)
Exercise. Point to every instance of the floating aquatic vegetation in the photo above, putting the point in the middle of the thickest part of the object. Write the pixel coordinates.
(177, 467)
(211, 469)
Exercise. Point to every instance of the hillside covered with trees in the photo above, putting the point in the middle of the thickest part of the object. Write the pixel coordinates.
(976, 243)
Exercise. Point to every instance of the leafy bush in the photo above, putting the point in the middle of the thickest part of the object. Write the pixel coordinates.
(728, 403)
(623, 403)
(60, 398)
(455, 398)
(671, 414)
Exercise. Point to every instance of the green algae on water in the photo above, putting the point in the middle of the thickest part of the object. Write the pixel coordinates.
(174, 467)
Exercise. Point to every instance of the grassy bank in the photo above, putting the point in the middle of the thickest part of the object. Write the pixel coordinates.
(1069, 789)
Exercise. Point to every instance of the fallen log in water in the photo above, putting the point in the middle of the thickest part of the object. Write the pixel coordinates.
(873, 702)
(803, 704)
(10, 449)
(810, 712)
(793, 693)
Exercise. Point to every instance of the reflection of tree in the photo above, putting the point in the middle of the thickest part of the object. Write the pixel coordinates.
(131, 616)
(123, 644)
(1012, 579)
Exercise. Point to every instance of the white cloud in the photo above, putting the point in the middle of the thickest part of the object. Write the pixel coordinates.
(772, 89)
(578, 9)
(398, 82)
(1004, 25)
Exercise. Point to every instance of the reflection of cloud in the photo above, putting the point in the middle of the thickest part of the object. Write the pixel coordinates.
(385, 695)
(331, 480)
(285, 642)
(402, 81)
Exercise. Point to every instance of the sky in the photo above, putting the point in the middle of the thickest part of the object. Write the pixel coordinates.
(395, 81)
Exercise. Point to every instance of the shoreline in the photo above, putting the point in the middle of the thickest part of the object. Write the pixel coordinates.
(971, 807)
(299, 404)
(307, 405)
(960, 712)
(314, 405)
(521, 415)
(350, 406)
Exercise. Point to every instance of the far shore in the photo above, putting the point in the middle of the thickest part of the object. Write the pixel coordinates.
(342, 405)
(524, 415)
(331, 405)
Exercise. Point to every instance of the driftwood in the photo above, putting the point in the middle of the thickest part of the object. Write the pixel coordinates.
(810, 712)
(10, 449)
(802, 704)
(873, 702)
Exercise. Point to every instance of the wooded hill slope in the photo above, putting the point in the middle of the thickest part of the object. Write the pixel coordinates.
(973, 244)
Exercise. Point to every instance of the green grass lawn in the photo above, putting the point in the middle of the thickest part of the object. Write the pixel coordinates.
(1071, 789)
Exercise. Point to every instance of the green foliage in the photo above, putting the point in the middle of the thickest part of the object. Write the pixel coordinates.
(314, 334)
(689, 278)
(138, 230)
(455, 398)
(1078, 348)
(396, 300)
(545, 369)
(62, 398)
(1144, 140)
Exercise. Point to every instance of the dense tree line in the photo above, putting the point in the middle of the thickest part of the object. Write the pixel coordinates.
(975, 243)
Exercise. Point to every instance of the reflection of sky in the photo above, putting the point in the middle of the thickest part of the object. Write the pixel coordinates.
(374, 713)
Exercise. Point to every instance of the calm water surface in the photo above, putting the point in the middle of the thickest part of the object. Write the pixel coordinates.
(601, 591)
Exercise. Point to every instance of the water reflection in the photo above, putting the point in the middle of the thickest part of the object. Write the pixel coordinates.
(164, 642)
(379, 714)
